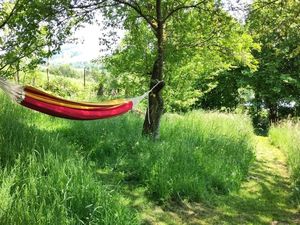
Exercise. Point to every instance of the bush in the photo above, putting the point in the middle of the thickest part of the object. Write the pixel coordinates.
(286, 136)
(260, 121)
(65, 70)
(62, 87)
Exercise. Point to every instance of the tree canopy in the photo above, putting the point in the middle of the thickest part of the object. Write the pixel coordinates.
(277, 82)
(204, 56)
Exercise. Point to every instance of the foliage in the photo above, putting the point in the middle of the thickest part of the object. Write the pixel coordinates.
(65, 87)
(286, 136)
(275, 25)
(195, 166)
(260, 119)
(158, 38)
(62, 87)
(31, 31)
(194, 54)
(190, 166)
(26, 28)
(65, 70)
(274, 83)
(53, 190)
(220, 90)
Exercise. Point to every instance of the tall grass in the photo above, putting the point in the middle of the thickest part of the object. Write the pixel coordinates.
(49, 165)
(43, 179)
(287, 137)
(202, 153)
(199, 154)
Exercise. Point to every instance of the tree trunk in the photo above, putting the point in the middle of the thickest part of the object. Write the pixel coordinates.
(156, 103)
(47, 72)
(155, 108)
(100, 91)
(273, 113)
(18, 76)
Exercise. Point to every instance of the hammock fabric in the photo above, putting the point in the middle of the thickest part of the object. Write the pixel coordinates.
(55, 106)
(41, 101)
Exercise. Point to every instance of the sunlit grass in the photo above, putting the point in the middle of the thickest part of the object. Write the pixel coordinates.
(287, 137)
(79, 169)
(45, 179)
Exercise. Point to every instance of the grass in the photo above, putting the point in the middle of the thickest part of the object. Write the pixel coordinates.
(264, 198)
(286, 136)
(52, 190)
(44, 180)
(198, 155)
(56, 171)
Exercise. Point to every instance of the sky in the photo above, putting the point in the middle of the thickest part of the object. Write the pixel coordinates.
(87, 46)
(237, 8)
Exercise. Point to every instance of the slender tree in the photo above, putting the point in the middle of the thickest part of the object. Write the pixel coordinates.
(174, 33)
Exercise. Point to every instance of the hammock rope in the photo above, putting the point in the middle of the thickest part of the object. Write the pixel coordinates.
(43, 102)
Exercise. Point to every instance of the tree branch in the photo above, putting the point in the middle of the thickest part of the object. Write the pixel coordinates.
(9, 16)
(16, 59)
(181, 7)
(88, 5)
(261, 6)
(136, 7)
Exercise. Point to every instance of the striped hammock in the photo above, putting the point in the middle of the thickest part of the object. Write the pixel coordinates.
(43, 102)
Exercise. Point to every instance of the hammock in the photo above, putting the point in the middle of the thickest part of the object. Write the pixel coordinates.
(43, 102)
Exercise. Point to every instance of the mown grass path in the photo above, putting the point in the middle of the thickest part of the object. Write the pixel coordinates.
(265, 197)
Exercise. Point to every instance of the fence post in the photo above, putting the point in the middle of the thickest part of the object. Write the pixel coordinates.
(84, 74)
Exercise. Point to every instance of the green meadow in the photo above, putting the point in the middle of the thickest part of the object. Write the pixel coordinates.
(56, 171)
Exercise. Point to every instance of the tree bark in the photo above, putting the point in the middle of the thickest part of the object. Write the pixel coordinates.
(155, 110)
(100, 91)
(156, 103)
(273, 113)
(18, 76)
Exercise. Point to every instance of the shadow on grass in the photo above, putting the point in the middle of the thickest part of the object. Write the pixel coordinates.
(262, 200)
(17, 139)
(265, 198)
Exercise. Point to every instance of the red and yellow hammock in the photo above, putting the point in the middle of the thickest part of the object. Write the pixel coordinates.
(41, 101)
